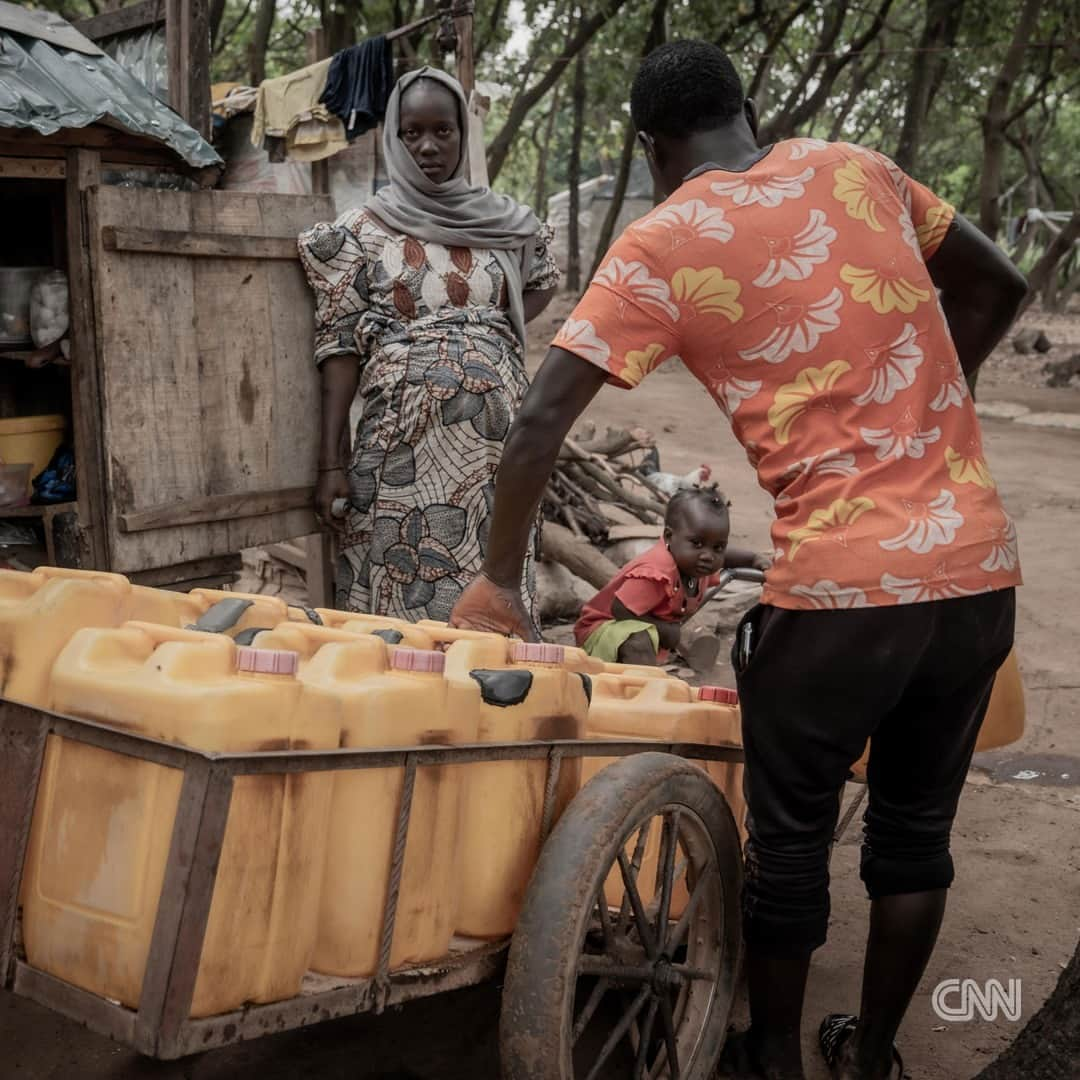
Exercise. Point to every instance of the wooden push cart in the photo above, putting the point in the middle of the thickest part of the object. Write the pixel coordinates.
(590, 991)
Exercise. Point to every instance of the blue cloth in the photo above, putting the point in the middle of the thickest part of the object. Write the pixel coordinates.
(56, 483)
(359, 83)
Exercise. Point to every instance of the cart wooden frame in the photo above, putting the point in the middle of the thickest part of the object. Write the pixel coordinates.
(161, 1027)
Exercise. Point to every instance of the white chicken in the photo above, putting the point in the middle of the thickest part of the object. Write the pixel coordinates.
(669, 483)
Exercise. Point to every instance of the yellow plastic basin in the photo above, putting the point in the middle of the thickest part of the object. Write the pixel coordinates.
(30, 439)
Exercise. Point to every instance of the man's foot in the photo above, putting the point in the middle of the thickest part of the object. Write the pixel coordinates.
(835, 1038)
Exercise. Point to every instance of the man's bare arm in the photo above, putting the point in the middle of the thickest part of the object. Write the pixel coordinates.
(981, 291)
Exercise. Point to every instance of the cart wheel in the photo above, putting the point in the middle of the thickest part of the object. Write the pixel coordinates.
(599, 989)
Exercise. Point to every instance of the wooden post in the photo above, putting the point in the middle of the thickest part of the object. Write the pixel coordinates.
(187, 42)
(321, 551)
(315, 43)
(84, 173)
(22, 747)
(320, 547)
(466, 61)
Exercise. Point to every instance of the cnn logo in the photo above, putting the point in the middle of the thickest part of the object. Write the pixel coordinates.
(957, 1000)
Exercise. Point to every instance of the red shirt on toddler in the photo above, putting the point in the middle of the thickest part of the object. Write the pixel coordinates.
(648, 585)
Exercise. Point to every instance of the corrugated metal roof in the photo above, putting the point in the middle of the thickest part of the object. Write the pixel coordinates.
(46, 86)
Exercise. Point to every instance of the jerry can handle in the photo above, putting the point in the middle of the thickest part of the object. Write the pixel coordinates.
(445, 634)
(78, 575)
(222, 616)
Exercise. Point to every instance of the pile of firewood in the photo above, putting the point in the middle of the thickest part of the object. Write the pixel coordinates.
(598, 494)
(604, 505)
(594, 475)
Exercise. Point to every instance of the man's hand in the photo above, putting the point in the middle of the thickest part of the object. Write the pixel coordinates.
(492, 608)
(735, 558)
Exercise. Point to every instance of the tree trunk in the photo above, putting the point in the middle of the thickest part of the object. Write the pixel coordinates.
(1029, 147)
(1067, 290)
(339, 22)
(485, 37)
(656, 35)
(798, 110)
(1048, 1047)
(542, 155)
(217, 13)
(860, 77)
(260, 39)
(772, 45)
(832, 22)
(529, 96)
(995, 119)
(939, 30)
(618, 196)
(573, 232)
(1045, 270)
(1025, 240)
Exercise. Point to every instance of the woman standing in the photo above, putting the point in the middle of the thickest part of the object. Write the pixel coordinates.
(422, 298)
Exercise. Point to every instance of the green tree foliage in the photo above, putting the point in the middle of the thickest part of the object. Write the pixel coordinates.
(914, 78)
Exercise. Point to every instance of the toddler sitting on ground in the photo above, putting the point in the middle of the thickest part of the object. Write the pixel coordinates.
(637, 618)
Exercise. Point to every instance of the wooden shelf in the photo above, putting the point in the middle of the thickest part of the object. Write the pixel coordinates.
(23, 355)
(35, 511)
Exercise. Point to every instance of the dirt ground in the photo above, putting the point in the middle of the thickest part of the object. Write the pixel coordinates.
(1014, 911)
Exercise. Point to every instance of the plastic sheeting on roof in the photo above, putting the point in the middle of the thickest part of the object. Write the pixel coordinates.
(48, 88)
(46, 25)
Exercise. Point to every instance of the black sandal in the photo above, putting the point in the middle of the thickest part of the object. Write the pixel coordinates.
(835, 1030)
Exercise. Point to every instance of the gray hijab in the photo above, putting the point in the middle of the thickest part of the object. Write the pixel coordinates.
(454, 213)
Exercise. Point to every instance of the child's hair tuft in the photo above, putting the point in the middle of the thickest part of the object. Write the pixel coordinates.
(710, 496)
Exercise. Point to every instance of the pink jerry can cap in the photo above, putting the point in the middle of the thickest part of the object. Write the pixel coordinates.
(721, 695)
(267, 661)
(536, 652)
(430, 660)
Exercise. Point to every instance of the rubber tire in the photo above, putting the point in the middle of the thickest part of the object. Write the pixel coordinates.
(537, 1016)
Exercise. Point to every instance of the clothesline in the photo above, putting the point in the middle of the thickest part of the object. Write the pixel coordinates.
(313, 113)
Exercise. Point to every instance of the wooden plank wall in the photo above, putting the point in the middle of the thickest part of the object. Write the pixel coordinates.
(208, 383)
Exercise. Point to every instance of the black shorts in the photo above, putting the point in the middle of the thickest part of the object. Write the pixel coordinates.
(817, 685)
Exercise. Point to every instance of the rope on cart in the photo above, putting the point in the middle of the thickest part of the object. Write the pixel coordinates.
(382, 975)
(553, 770)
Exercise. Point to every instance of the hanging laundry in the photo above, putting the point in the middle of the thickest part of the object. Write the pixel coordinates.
(359, 84)
(288, 108)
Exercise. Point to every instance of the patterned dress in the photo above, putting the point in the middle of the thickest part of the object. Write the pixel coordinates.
(442, 373)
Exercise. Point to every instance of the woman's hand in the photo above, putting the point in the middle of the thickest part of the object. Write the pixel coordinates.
(339, 376)
(492, 608)
(332, 484)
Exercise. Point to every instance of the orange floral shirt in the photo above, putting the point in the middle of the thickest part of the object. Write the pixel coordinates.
(797, 293)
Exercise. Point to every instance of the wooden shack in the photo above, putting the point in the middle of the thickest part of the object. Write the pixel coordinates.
(191, 393)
